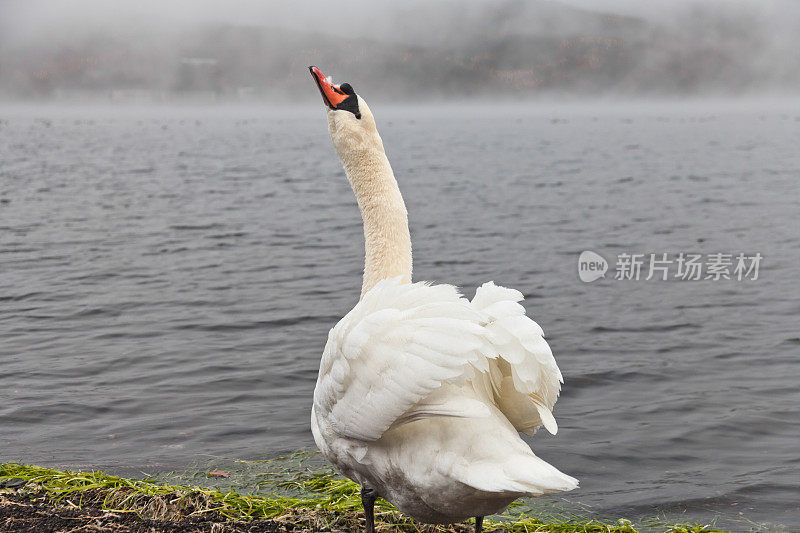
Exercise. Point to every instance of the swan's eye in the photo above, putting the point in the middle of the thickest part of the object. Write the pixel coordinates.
(347, 88)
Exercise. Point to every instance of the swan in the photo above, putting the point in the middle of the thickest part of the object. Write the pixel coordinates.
(421, 393)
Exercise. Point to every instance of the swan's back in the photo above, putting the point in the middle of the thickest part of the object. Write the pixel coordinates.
(416, 370)
(402, 342)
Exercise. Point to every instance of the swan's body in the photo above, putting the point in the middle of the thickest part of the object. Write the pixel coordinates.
(421, 393)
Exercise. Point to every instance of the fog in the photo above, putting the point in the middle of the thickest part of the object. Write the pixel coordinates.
(241, 50)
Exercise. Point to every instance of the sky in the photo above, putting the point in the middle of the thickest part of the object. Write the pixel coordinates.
(21, 19)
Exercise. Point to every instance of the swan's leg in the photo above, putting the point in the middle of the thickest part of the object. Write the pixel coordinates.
(368, 498)
(478, 524)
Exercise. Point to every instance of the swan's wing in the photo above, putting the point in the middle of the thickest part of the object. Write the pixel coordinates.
(399, 344)
(386, 361)
(523, 375)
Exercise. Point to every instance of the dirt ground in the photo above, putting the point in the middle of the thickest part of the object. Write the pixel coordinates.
(37, 513)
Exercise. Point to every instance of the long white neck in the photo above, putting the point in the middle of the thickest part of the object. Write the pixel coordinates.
(387, 241)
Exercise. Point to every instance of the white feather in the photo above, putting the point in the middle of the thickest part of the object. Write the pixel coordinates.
(411, 354)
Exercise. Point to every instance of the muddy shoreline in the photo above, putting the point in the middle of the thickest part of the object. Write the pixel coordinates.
(39, 499)
(39, 512)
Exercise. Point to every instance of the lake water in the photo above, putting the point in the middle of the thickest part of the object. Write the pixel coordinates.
(168, 278)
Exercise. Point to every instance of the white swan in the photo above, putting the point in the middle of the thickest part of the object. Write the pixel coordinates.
(421, 394)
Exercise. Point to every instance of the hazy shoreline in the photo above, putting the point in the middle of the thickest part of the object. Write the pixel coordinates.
(535, 106)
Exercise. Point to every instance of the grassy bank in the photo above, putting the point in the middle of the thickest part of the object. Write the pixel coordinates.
(305, 501)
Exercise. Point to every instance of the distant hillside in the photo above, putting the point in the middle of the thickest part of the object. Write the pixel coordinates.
(517, 48)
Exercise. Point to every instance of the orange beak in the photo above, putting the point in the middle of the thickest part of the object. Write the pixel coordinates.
(331, 94)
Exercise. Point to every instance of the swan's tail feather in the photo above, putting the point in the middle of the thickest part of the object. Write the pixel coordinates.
(540, 475)
(523, 474)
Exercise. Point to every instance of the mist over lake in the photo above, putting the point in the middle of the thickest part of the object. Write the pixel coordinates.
(248, 51)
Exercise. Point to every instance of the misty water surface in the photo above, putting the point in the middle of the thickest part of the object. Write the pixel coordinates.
(168, 278)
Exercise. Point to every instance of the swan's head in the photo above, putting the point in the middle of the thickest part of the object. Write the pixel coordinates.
(350, 122)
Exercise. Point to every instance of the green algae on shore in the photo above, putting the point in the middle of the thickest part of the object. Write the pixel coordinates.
(302, 501)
